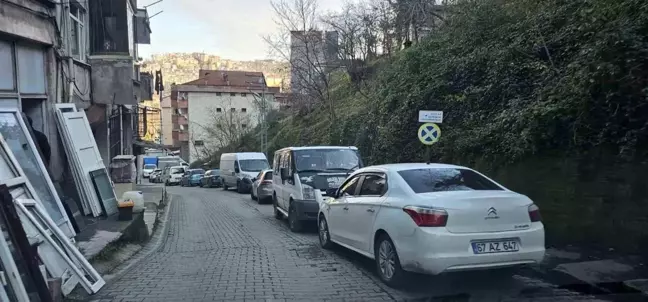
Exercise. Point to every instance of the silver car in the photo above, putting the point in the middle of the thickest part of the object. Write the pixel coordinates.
(262, 187)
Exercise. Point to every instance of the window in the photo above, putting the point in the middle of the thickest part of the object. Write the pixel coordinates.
(176, 171)
(446, 179)
(349, 188)
(243, 125)
(268, 176)
(199, 143)
(327, 159)
(373, 185)
(149, 166)
(218, 94)
(219, 109)
(243, 94)
(109, 27)
(232, 94)
(253, 165)
(243, 109)
(77, 41)
(233, 109)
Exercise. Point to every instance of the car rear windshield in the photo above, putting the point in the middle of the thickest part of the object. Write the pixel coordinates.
(446, 179)
(176, 170)
(150, 166)
(268, 176)
(197, 171)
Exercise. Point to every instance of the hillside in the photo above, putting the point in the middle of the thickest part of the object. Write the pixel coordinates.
(547, 98)
(183, 67)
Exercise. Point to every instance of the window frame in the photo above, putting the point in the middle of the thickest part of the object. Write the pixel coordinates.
(78, 22)
(380, 175)
(346, 182)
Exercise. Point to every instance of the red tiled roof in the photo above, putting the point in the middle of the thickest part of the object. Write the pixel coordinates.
(233, 78)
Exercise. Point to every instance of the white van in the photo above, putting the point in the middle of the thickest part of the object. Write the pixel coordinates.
(238, 169)
(302, 175)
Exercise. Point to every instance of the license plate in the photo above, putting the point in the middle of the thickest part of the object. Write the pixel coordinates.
(495, 246)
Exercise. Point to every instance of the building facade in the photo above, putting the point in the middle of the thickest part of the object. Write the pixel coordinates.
(116, 28)
(216, 109)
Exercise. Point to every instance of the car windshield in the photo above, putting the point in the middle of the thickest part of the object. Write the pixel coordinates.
(327, 159)
(446, 179)
(150, 166)
(253, 165)
(197, 171)
(176, 170)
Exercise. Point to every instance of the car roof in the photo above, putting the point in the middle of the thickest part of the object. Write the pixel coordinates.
(318, 147)
(406, 166)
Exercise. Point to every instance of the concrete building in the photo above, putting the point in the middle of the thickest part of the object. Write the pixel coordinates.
(116, 29)
(167, 123)
(312, 53)
(214, 110)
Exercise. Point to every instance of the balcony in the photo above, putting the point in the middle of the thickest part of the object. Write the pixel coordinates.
(182, 120)
(183, 104)
(179, 135)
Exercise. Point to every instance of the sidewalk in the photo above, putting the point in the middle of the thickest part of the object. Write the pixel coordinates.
(107, 242)
(596, 272)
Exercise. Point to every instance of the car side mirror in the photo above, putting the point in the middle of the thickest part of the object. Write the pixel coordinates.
(254, 179)
(237, 170)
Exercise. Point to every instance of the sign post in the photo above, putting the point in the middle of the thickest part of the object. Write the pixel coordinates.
(429, 132)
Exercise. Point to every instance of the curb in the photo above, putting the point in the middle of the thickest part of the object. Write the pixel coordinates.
(149, 249)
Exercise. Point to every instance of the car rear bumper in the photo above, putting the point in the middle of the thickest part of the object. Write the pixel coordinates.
(435, 250)
(306, 209)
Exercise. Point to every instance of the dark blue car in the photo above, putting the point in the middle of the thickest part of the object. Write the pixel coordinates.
(211, 179)
(192, 177)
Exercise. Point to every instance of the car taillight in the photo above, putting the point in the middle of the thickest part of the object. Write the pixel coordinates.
(266, 182)
(427, 217)
(534, 213)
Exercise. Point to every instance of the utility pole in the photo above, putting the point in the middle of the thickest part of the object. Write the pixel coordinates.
(263, 124)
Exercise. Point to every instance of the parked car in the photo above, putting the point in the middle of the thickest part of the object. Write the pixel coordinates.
(148, 169)
(262, 187)
(173, 175)
(192, 177)
(211, 179)
(304, 174)
(155, 176)
(431, 218)
(238, 169)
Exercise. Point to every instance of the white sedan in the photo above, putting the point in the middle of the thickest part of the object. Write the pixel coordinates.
(431, 218)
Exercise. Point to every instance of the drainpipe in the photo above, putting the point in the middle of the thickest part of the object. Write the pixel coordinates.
(121, 131)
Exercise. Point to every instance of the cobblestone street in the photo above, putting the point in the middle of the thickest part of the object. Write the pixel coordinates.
(222, 246)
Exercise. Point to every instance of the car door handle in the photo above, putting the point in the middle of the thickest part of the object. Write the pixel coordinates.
(371, 210)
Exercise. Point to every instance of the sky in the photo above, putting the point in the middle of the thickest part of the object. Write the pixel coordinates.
(232, 29)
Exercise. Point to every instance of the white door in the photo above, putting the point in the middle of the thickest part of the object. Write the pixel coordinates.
(87, 155)
(339, 216)
(363, 210)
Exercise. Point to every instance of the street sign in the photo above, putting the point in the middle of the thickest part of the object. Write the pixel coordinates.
(429, 116)
(429, 133)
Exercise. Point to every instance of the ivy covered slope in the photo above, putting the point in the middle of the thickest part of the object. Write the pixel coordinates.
(549, 99)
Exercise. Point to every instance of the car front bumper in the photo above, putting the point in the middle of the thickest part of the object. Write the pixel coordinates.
(306, 209)
(435, 250)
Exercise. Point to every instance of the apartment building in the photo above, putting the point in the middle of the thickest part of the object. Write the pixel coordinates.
(215, 109)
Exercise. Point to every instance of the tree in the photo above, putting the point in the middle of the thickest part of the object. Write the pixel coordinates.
(302, 43)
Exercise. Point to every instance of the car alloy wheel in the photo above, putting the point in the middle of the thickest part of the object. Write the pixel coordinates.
(386, 261)
(324, 235)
